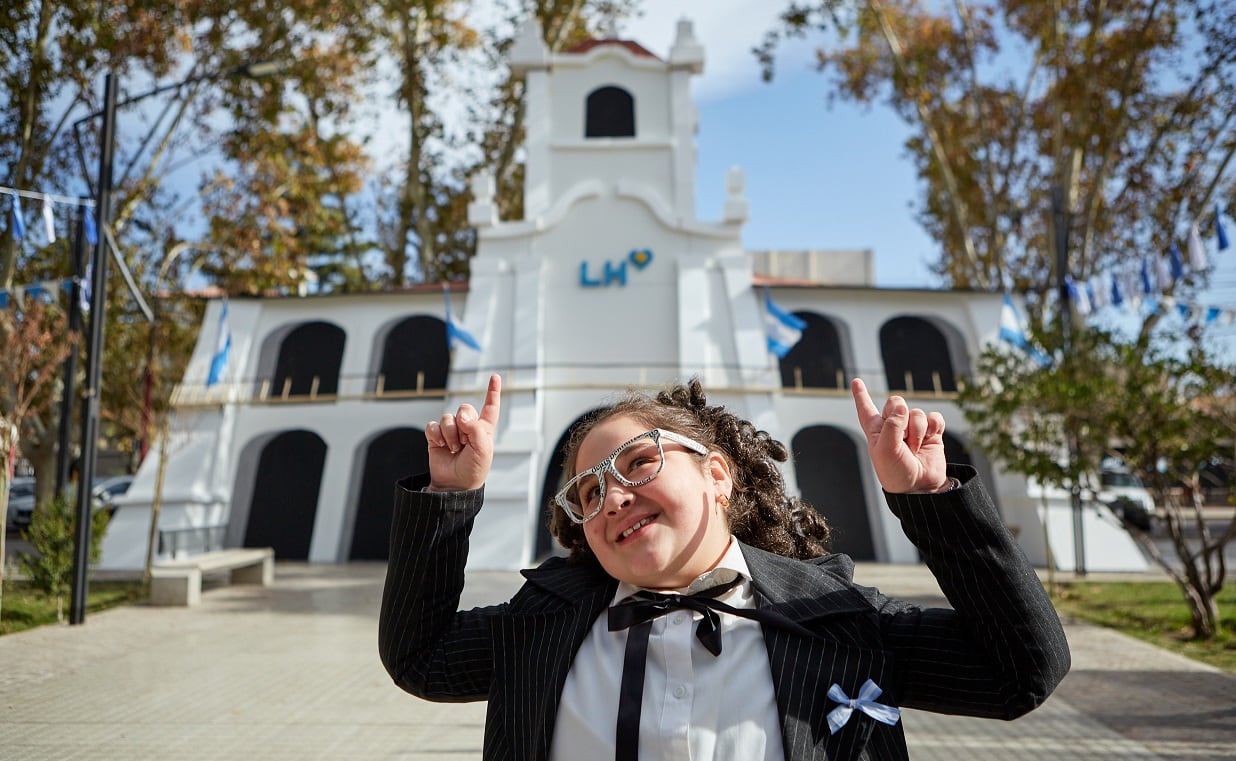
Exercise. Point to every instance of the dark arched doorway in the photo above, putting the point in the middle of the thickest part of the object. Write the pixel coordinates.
(831, 480)
(389, 457)
(546, 545)
(311, 351)
(415, 352)
(915, 352)
(285, 494)
(817, 360)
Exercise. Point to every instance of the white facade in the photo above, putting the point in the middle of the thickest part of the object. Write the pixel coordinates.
(609, 282)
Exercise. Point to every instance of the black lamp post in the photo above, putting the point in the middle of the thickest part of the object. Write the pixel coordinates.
(98, 303)
(90, 394)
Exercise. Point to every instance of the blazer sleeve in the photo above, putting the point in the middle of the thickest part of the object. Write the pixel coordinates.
(428, 646)
(1001, 650)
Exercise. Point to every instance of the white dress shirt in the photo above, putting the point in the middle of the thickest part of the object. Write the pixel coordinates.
(696, 705)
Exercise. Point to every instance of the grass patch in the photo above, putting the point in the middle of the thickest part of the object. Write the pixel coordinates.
(1154, 612)
(26, 607)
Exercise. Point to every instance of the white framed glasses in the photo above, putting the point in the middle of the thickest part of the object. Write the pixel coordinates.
(635, 463)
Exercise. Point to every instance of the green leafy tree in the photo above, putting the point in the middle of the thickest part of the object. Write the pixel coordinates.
(56, 55)
(1162, 414)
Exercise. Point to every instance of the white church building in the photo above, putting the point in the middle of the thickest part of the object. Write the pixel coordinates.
(609, 282)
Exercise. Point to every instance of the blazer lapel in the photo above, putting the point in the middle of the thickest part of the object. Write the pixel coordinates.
(548, 621)
(821, 599)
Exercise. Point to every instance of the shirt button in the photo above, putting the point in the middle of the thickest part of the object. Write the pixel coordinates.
(680, 691)
(679, 618)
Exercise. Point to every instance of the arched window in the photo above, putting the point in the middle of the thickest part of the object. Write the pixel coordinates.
(818, 359)
(311, 351)
(415, 352)
(916, 356)
(610, 112)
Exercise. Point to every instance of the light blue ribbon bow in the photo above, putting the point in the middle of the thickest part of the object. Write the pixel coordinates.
(865, 702)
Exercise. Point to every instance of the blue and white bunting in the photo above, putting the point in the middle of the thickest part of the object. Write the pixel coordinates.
(19, 224)
(1220, 230)
(1077, 295)
(1163, 271)
(1176, 261)
(1096, 293)
(783, 330)
(1197, 252)
(86, 286)
(223, 347)
(49, 220)
(92, 232)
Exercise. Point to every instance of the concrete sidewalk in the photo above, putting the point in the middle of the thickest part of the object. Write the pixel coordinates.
(291, 672)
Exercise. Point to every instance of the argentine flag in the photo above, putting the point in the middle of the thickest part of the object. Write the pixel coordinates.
(1012, 332)
(783, 329)
(454, 333)
(223, 346)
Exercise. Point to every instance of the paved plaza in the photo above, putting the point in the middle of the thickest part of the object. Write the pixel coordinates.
(292, 672)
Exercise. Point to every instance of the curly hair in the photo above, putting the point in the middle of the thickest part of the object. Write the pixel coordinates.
(760, 512)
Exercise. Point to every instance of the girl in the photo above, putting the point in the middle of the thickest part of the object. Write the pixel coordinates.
(698, 615)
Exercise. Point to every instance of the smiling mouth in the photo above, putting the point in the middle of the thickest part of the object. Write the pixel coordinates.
(639, 525)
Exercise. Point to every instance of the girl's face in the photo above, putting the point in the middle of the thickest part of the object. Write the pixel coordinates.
(665, 533)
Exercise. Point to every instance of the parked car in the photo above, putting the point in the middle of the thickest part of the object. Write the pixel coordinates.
(1126, 495)
(21, 503)
(106, 491)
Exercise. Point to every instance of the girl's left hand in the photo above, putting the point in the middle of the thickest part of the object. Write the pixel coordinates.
(461, 446)
(906, 445)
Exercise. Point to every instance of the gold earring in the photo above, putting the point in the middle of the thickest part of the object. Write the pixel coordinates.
(723, 501)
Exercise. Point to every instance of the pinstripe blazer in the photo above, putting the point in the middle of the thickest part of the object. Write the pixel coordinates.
(998, 653)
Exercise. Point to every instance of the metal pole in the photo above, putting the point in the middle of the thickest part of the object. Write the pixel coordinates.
(90, 408)
(64, 447)
(1061, 221)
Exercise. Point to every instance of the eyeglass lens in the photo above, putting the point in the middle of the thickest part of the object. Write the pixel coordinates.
(636, 463)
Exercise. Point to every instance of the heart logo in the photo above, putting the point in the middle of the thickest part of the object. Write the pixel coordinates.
(641, 257)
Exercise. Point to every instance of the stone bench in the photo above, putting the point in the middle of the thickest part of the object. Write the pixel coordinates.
(179, 582)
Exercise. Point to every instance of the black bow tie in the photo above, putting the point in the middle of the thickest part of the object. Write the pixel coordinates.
(637, 614)
(643, 607)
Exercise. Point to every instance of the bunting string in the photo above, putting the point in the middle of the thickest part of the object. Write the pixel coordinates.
(17, 215)
(44, 291)
(1149, 286)
(67, 200)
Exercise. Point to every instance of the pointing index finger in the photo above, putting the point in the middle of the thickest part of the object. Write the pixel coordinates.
(867, 410)
(493, 400)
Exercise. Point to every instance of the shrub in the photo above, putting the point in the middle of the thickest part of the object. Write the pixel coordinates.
(50, 566)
